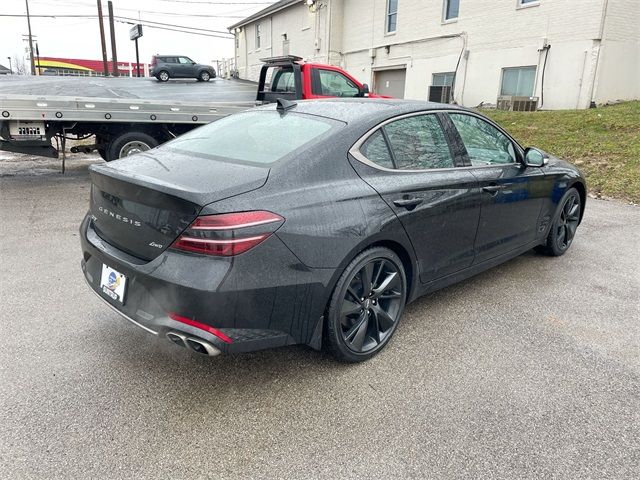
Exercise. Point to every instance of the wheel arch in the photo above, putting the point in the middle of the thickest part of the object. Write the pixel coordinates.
(582, 191)
(405, 258)
(402, 251)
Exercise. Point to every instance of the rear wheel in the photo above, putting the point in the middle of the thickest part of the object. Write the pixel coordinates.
(366, 305)
(129, 143)
(163, 76)
(204, 76)
(564, 227)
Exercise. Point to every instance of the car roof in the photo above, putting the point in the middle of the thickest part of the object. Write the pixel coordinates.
(354, 110)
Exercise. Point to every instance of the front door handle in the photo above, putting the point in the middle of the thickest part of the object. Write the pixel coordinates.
(492, 189)
(408, 203)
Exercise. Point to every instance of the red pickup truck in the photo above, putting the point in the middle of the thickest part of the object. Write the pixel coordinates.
(294, 79)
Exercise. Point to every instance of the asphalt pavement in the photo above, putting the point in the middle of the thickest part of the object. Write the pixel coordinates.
(529, 370)
(186, 90)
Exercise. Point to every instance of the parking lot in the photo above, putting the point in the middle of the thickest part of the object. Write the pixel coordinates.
(529, 370)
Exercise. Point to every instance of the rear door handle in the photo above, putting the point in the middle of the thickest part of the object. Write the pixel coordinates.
(492, 189)
(408, 203)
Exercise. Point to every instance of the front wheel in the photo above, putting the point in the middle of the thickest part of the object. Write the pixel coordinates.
(366, 305)
(564, 226)
(204, 76)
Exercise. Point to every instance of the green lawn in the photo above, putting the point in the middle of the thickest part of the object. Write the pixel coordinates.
(603, 142)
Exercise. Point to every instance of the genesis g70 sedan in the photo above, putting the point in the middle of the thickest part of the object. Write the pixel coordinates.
(316, 222)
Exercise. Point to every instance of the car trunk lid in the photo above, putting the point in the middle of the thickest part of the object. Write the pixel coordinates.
(142, 203)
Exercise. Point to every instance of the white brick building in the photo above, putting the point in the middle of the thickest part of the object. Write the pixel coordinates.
(490, 47)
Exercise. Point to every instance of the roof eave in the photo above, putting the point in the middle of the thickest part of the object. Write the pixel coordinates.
(264, 13)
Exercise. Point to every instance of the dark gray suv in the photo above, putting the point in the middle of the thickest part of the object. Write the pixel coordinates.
(164, 67)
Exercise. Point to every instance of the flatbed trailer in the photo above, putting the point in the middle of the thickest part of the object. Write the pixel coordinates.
(31, 124)
(121, 126)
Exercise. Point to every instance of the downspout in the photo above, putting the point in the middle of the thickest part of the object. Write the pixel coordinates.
(329, 33)
(592, 103)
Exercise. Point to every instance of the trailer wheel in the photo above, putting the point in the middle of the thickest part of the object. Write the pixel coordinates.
(129, 143)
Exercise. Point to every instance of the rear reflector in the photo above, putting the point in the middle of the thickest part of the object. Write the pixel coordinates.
(228, 234)
(201, 326)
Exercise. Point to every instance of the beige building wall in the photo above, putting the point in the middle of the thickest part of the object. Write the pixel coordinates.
(589, 59)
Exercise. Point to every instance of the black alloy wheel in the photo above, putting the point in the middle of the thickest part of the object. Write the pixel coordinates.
(565, 225)
(367, 305)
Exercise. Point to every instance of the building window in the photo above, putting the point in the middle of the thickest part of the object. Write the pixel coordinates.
(257, 36)
(442, 79)
(451, 9)
(518, 81)
(392, 15)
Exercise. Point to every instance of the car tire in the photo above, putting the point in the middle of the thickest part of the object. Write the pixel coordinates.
(129, 143)
(204, 76)
(361, 319)
(564, 226)
(163, 76)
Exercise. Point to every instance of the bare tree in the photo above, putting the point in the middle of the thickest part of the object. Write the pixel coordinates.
(19, 66)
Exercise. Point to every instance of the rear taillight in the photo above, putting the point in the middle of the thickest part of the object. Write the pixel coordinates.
(228, 234)
(153, 61)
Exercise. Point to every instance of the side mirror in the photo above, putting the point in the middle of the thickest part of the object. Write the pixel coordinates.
(364, 90)
(534, 157)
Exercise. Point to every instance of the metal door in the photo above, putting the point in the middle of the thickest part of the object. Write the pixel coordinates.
(390, 82)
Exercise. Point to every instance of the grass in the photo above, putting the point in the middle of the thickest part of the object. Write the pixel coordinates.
(603, 142)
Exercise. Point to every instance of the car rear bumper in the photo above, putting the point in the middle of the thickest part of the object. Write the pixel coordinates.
(263, 298)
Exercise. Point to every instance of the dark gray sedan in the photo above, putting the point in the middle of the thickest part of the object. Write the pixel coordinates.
(316, 222)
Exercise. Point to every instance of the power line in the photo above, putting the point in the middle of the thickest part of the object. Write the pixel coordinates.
(176, 30)
(249, 7)
(207, 2)
(172, 25)
(146, 23)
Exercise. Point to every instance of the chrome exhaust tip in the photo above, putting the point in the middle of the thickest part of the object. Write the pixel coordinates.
(177, 338)
(196, 344)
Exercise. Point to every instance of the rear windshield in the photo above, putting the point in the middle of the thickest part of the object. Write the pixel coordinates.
(260, 137)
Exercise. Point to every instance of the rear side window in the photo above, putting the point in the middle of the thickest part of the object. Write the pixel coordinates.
(418, 143)
(377, 150)
(283, 81)
(411, 143)
(259, 137)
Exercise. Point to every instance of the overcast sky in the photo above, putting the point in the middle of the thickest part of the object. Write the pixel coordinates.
(80, 38)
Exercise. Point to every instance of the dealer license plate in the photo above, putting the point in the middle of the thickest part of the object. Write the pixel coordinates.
(112, 283)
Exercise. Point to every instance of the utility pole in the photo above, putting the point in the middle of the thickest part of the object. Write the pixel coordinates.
(10, 69)
(137, 59)
(114, 54)
(33, 65)
(38, 57)
(105, 65)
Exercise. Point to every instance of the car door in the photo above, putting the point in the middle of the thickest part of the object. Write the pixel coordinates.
(170, 65)
(410, 163)
(331, 83)
(185, 67)
(512, 194)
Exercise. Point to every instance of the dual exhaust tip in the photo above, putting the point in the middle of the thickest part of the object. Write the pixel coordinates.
(196, 344)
